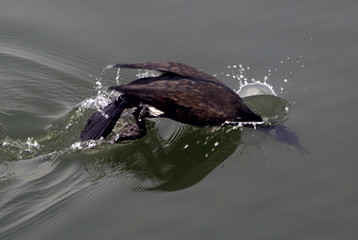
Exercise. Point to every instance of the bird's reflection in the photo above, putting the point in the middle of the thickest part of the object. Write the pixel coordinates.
(185, 158)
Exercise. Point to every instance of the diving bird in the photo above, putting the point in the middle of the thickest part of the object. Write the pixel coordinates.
(182, 93)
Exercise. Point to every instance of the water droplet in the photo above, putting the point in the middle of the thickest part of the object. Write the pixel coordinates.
(98, 85)
(118, 76)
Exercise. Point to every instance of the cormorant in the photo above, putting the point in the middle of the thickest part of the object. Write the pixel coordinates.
(182, 93)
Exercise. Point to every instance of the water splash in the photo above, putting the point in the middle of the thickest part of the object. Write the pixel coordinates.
(261, 96)
(20, 149)
(102, 98)
(255, 88)
(241, 73)
(238, 72)
(85, 145)
(118, 76)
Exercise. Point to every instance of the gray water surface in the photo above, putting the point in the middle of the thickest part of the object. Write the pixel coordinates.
(179, 181)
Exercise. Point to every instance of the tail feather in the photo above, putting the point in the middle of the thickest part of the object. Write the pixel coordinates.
(101, 123)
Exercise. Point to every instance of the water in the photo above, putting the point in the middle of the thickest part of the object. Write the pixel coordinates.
(179, 181)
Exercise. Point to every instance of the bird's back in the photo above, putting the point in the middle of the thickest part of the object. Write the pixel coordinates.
(190, 100)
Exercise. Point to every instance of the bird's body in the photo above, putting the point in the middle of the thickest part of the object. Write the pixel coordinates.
(182, 93)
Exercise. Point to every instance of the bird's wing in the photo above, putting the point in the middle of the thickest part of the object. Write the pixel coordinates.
(171, 69)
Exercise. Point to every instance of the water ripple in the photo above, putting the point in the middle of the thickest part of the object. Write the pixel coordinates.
(35, 185)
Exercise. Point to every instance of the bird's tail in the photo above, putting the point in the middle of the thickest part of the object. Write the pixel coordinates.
(101, 123)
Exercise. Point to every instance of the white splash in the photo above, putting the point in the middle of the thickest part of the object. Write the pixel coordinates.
(85, 145)
(31, 144)
(118, 76)
(255, 88)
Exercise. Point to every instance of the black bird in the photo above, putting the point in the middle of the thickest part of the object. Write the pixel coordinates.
(182, 93)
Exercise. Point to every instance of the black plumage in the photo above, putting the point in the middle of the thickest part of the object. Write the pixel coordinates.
(181, 92)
